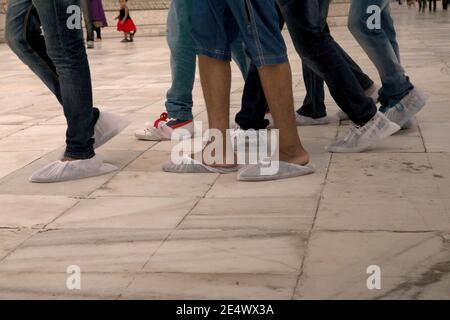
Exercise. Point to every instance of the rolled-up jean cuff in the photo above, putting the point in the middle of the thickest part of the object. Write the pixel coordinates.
(272, 60)
(258, 62)
(80, 155)
(214, 54)
(180, 115)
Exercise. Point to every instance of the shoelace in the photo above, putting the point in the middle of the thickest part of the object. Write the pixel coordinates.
(162, 118)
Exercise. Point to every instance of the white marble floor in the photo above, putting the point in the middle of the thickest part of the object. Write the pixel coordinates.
(142, 233)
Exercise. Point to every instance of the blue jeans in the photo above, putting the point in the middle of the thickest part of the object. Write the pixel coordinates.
(59, 60)
(312, 39)
(215, 24)
(254, 104)
(382, 48)
(183, 60)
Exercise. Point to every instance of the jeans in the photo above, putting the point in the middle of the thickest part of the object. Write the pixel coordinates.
(381, 46)
(87, 15)
(59, 59)
(215, 24)
(312, 39)
(183, 60)
(254, 105)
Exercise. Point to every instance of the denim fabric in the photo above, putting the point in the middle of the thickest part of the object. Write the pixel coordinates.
(59, 59)
(381, 46)
(88, 21)
(215, 24)
(254, 105)
(312, 39)
(183, 60)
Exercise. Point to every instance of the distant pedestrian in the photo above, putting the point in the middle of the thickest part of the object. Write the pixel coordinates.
(411, 3)
(126, 23)
(422, 5)
(98, 17)
(432, 5)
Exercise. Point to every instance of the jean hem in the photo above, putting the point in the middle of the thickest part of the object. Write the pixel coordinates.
(186, 116)
(79, 156)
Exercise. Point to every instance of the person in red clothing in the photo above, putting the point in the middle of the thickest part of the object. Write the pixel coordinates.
(125, 23)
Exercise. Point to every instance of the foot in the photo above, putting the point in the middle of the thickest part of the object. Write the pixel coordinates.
(107, 127)
(274, 170)
(163, 128)
(90, 45)
(60, 171)
(358, 139)
(372, 93)
(407, 108)
(301, 120)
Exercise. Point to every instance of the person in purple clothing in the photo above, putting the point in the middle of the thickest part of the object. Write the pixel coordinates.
(98, 17)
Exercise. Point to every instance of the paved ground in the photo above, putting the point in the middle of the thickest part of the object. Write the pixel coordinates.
(141, 233)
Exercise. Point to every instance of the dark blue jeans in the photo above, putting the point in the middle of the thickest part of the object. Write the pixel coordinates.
(59, 59)
(312, 39)
(254, 105)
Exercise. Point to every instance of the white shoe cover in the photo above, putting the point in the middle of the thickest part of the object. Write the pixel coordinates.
(285, 170)
(107, 127)
(188, 165)
(60, 171)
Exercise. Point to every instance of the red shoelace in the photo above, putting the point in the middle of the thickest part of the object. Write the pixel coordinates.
(162, 118)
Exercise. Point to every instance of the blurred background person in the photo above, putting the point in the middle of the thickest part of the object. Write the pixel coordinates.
(98, 17)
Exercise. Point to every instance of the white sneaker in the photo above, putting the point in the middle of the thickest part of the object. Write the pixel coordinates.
(358, 139)
(308, 121)
(107, 127)
(372, 93)
(407, 108)
(90, 45)
(163, 128)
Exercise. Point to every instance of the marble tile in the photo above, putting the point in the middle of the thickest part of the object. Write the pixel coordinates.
(187, 286)
(149, 161)
(20, 211)
(337, 262)
(19, 143)
(406, 213)
(216, 251)
(377, 176)
(157, 184)
(126, 212)
(15, 160)
(6, 130)
(43, 131)
(435, 136)
(53, 286)
(10, 239)
(93, 250)
(282, 214)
